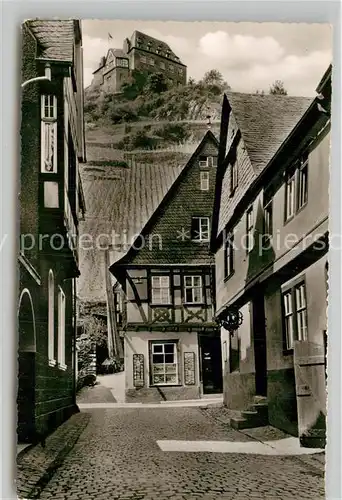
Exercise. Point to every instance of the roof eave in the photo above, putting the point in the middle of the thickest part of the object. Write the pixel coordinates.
(54, 61)
(325, 80)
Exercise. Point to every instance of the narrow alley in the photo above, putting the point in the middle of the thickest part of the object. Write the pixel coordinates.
(120, 456)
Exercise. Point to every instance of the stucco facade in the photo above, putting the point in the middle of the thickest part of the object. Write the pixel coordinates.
(283, 271)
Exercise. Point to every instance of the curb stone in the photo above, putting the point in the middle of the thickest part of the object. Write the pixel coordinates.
(36, 465)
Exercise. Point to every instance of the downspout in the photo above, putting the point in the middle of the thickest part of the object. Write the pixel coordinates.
(45, 78)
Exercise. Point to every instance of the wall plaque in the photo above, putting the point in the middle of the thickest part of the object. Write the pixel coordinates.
(189, 368)
(138, 370)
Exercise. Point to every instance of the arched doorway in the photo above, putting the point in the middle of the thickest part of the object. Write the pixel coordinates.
(26, 368)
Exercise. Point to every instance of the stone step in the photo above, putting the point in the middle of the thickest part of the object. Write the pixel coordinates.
(249, 413)
(239, 423)
(247, 423)
(260, 408)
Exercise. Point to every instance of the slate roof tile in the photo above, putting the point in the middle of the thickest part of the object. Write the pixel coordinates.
(55, 37)
(120, 198)
(265, 121)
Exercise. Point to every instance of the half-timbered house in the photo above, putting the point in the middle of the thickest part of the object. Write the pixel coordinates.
(171, 340)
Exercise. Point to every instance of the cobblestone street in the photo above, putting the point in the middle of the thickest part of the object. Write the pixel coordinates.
(117, 457)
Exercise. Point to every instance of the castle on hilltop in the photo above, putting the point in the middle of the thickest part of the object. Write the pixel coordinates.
(142, 53)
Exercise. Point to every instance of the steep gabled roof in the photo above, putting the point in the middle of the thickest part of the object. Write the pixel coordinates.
(117, 53)
(265, 121)
(55, 38)
(270, 126)
(170, 192)
(121, 193)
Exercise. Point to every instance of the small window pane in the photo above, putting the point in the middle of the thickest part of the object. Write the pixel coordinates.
(157, 348)
(197, 281)
(169, 348)
(158, 358)
(197, 295)
(188, 295)
(188, 280)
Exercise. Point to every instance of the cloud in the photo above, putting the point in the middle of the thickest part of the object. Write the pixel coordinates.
(300, 74)
(248, 63)
(93, 50)
(251, 63)
(238, 49)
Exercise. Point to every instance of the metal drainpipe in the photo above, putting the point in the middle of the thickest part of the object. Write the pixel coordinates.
(45, 78)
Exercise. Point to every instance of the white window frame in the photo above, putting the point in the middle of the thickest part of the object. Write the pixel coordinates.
(301, 312)
(151, 61)
(268, 218)
(229, 256)
(249, 229)
(295, 314)
(51, 318)
(201, 230)
(204, 176)
(159, 283)
(290, 196)
(209, 162)
(61, 329)
(193, 289)
(233, 176)
(175, 364)
(289, 319)
(303, 172)
(48, 131)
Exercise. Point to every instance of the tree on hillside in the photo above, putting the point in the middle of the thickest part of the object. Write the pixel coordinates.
(214, 82)
(135, 86)
(277, 88)
(260, 92)
(156, 83)
(213, 77)
(191, 81)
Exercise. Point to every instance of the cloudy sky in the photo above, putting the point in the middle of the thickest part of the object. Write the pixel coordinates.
(249, 55)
